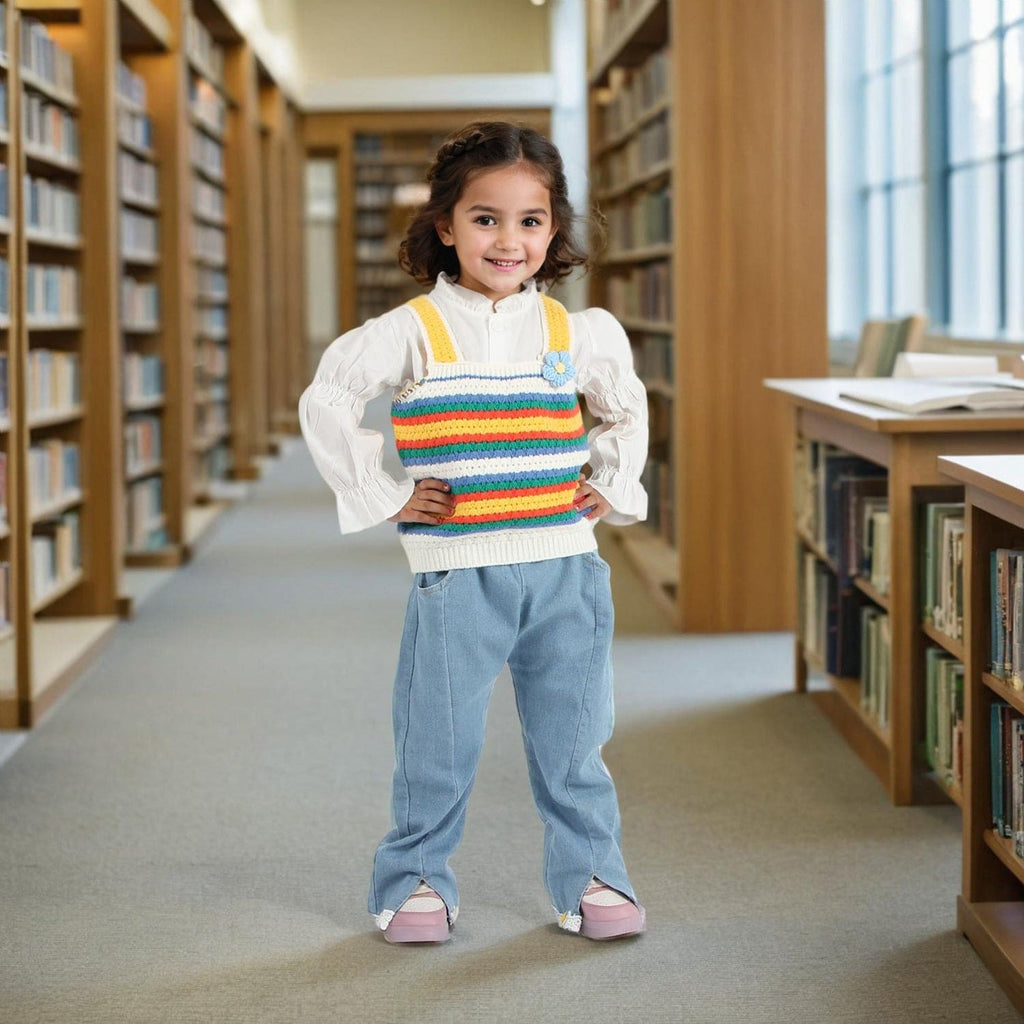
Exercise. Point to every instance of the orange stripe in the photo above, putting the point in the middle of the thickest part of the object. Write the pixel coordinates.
(517, 492)
(481, 414)
(494, 517)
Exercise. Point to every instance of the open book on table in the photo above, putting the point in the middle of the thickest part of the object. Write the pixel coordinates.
(934, 394)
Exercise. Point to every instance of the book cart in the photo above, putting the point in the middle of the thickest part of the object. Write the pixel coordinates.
(990, 908)
(382, 160)
(907, 447)
(713, 187)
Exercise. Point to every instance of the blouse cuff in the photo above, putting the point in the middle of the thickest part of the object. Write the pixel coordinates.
(374, 502)
(626, 496)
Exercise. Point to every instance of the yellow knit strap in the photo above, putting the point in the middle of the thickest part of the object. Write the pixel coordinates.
(557, 319)
(438, 336)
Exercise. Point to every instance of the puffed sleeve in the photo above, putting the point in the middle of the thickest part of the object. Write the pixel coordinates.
(616, 396)
(356, 368)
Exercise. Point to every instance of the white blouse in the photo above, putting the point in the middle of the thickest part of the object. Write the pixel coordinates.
(390, 352)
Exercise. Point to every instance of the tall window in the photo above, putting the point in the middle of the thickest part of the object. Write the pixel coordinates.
(985, 90)
(893, 194)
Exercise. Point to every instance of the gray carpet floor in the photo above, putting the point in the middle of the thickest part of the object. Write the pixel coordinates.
(187, 837)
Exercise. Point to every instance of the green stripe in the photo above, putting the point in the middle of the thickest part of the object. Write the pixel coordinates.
(508, 484)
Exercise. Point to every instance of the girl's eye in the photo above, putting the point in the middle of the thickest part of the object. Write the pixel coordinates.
(531, 222)
(485, 218)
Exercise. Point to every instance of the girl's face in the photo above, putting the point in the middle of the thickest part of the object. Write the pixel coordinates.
(501, 228)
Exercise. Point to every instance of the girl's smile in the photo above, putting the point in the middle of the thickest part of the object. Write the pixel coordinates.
(501, 228)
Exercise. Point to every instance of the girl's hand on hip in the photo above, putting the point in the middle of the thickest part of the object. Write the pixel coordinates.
(588, 502)
(431, 502)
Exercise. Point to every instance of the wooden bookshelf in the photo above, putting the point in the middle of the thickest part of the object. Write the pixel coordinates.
(62, 544)
(990, 908)
(376, 153)
(14, 629)
(151, 530)
(713, 187)
(215, 52)
(116, 219)
(908, 448)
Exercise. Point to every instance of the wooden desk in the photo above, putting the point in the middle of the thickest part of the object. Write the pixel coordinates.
(990, 909)
(908, 447)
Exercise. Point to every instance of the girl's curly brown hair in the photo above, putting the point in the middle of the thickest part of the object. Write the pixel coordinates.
(485, 146)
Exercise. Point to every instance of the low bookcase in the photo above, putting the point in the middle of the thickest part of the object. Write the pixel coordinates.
(906, 449)
(990, 909)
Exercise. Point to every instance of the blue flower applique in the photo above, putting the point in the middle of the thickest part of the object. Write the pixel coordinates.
(558, 368)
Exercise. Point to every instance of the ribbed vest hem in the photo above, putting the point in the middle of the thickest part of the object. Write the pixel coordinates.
(501, 547)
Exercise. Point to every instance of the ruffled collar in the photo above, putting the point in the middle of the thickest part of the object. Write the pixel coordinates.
(448, 290)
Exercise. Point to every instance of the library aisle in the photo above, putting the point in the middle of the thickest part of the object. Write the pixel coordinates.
(187, 836)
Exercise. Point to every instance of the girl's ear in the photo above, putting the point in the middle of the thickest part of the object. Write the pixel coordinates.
(444, 231)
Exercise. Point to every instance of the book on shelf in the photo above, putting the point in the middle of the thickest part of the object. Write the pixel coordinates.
(54, 472)
(841, 505)
(1006, 751)
(50, 131)
(54, 381)
(944, 715)
(876, 661)
(144, 520)
(138, 179)
(142, 442)
(5, 594)
(52, 294)
(942, 560)
(52, 210)
(43, 58)
(56, 552)
(3, 489)
(830, 619)
(1006, 590)
(134, 128)
(917, 395)
(201, 47)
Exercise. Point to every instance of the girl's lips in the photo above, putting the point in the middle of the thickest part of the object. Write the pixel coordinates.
(505, 264)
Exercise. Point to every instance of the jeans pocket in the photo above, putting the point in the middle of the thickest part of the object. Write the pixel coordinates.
(595, 559)
(432, 582)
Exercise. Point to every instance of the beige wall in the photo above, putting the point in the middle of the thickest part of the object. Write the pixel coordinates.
(388, 38)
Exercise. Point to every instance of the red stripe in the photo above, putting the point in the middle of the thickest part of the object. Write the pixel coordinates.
(437, 442)
(482, 414)
(518, 492)
(494, 517)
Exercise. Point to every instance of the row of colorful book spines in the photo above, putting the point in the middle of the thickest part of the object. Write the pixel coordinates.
(651, 146)
(54, 470)
(1006, 597)
(56, 552)
(44, 58)
(52, 290)
(143, 437)
(1006, 764)
(49, 126)
(944, 712)
(54, 380)
(636, 93)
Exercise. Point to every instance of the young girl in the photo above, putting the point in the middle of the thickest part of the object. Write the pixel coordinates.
(497, 521)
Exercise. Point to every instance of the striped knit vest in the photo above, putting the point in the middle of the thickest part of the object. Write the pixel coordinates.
(509, 440)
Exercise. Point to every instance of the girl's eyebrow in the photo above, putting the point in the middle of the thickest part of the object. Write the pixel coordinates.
(479, 208)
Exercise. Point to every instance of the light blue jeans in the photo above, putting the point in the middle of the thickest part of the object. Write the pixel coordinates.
(551, 621)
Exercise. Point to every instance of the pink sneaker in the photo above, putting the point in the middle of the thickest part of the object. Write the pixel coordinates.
(607, 914)
(421, 918)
